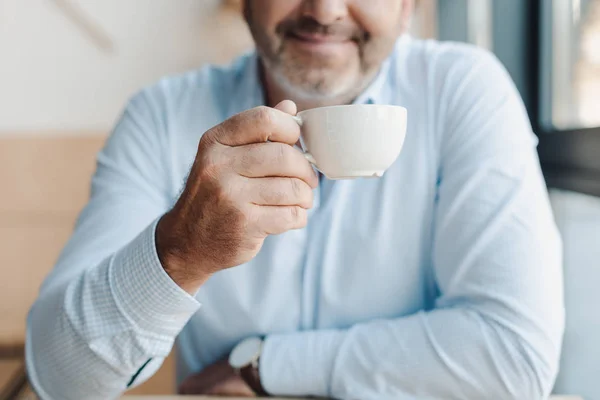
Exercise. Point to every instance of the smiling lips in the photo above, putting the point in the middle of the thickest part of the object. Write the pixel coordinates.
(321, 43)
(319, 37)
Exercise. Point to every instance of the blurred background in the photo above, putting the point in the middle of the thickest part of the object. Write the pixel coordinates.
(67, 68)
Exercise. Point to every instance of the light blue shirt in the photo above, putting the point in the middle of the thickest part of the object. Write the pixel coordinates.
(443, 279)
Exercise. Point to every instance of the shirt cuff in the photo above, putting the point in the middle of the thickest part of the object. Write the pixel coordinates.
(299, 364)
(143, 290)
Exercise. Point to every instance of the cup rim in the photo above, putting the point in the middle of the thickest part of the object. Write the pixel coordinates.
(354, 105)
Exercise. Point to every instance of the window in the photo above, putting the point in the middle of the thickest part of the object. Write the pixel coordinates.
(568, 100)
(574, 59)
(551, 48)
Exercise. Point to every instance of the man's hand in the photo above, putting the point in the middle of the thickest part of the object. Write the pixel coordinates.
(247, 182)
(218, 379)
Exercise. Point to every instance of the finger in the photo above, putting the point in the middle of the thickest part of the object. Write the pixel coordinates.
(274, 220)
(231, 387)
(279, 192)
(192, 386)
(288, 107)
(271, 160)
(257, 125)
(201, 382)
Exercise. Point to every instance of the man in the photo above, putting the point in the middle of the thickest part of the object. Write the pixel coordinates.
(440, 280)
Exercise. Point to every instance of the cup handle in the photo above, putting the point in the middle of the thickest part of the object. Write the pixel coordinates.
(310, 158)
(307, 155)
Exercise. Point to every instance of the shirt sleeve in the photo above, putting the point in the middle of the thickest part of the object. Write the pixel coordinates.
(108, 308)
(497, 325)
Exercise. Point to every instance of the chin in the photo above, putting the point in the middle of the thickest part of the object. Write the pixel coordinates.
(318, 92)
(319, 86)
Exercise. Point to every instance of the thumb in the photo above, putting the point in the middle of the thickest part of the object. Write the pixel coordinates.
(287, 106)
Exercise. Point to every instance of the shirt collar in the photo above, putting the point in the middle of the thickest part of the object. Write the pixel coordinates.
(377, 91)
(382, 88)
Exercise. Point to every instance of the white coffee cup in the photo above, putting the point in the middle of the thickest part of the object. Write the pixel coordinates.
(353, 141)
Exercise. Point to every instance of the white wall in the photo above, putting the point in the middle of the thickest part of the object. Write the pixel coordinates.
(53, 77)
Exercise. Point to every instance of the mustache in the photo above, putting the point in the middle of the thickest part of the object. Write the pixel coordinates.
(309, 25)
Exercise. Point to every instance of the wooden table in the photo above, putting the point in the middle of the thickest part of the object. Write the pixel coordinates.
(9, 368)
(30, 396)
(287, 398)
(205, 398)
(211, 398)
(12, 377)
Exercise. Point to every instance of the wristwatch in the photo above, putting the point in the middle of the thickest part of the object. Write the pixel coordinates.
(244, 359)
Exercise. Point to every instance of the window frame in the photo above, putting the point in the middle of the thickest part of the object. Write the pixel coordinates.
(570, 158)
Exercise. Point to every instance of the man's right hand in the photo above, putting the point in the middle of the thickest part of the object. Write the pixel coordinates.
(247, 182)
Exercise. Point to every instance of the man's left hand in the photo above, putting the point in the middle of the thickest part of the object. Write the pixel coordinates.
(218, 379)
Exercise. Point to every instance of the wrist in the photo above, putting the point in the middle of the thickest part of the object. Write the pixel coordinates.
(136, 273)
(175, 260)
(245, 360)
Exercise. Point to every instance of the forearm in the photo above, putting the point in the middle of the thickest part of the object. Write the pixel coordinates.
(451, 353)
(90, 336)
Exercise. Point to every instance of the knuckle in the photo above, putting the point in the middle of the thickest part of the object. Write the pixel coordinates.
(206, 141)
(211, 154)
(209, 171)
(264, 114)
(265, 118)
(284, 157)
(301, 192)
(210, 164)
(307, 194)
(228, 157)
(272, 194)
(299, 217)
(216, 133)
(294, 213)
(266, 223)
(296, 188)
(248, 158)
(246, 161)
(280, 156)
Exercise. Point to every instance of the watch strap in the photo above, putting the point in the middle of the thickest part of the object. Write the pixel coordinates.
(251, 375)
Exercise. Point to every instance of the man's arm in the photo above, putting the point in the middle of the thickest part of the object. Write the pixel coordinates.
(117, 298)
(108, 308)
(497, 325)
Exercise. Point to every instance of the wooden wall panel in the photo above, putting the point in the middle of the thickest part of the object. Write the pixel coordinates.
(44, 183)
(46, 175)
